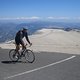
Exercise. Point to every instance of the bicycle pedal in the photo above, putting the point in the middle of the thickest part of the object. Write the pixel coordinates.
(15, 57)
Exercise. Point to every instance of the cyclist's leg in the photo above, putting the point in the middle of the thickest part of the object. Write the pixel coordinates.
(17, 45)
(17, 48)
(23, 45)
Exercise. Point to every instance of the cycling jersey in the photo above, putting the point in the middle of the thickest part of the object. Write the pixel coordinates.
(19, 36)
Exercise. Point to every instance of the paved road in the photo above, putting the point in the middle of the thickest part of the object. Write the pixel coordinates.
(47, 66)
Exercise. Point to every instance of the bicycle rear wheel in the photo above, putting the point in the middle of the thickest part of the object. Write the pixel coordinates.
(29, 56)
(13, 55)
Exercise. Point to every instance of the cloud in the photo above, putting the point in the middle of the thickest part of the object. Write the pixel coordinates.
(28, 18)
(21, 18)
(78, 18)
(5, 18)
(34, 18)
(66, 18)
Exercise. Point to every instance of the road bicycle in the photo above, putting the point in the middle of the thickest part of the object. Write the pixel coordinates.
(27, 53)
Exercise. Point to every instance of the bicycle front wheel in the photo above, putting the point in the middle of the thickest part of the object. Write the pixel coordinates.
(13, 55)
(29, 56)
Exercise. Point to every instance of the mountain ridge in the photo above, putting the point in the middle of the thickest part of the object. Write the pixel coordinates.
(8, 30)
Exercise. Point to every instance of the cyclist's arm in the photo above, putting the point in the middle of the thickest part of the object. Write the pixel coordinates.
(26, 35)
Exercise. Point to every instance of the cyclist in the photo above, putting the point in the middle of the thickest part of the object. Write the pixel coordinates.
(19, 39)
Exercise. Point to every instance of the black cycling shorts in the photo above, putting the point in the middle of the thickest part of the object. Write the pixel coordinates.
(18, 42)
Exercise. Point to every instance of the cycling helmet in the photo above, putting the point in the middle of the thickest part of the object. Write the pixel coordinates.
(25, 28)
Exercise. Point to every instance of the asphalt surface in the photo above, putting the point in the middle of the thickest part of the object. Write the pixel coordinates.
(47, 66)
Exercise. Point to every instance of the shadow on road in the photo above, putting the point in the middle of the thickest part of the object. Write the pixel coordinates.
(12, 62)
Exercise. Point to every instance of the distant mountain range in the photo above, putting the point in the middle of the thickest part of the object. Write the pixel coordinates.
(8, 30)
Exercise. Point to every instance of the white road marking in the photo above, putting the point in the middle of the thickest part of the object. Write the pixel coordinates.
(39, 68)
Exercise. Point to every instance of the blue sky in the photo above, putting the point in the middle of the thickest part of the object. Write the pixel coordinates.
(40, 9)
